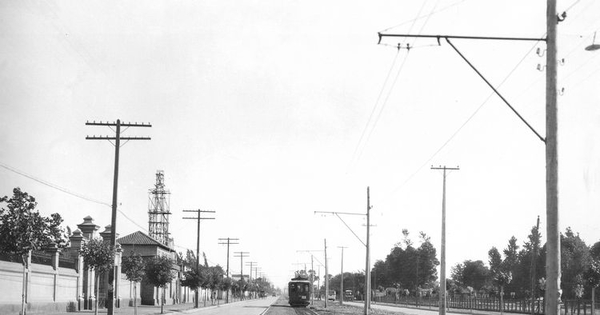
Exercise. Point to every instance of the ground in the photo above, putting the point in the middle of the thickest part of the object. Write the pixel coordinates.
(334, 308)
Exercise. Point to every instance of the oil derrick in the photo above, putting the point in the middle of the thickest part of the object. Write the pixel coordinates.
(159, 211)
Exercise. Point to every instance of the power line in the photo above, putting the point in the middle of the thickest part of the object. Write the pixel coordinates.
(67, 191)
(464, 123)
(54, 186)
(358, 148)
(424, 16)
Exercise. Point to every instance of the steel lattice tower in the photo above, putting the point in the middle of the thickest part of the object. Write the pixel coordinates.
(159, 210)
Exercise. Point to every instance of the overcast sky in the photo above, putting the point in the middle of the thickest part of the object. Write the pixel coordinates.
(267, 111)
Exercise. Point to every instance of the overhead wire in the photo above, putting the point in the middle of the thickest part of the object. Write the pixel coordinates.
(424, 16)
(457, 131)
(69, 192)
(74, 194)
(361, 145)
(396, 78)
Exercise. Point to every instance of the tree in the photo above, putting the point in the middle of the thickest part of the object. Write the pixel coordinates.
(133, 266)
(471, 274)
(159, 273)
(427, 264)
(495, 259)
(595, 251)
(575, 260)
(411, 267)
(100, 257)
(23, 230)
(511, 262)
(592, 278)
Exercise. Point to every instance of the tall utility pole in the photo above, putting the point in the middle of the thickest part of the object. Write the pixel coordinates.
(342, 277)
(443, 253)
(552, 225)
(326, 276)
(312, 273)
(251, 264)
(552, 296)
(368, 263)
(198, 217)
(113, 221)
(227, 272)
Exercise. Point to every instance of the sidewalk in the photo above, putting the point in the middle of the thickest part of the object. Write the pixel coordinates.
(146, 309)
(403, 309)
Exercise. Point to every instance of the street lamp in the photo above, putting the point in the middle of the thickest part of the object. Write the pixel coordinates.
(593, 46)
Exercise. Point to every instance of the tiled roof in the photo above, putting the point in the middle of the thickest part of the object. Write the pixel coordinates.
(139, 238)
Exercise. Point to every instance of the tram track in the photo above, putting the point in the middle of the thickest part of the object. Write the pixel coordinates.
(281, 307)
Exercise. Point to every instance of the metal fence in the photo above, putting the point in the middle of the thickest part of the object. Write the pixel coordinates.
(522, 306)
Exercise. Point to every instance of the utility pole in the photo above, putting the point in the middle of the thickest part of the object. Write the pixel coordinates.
(227, 272)
(198, 218)
(367, 245)
(443, 253)
(342, 277)
(368, 263)
(113, 222)
(552, 296)
(552, 216)
(241, 255)
(326, 276)
(250, 263)
(312, 280)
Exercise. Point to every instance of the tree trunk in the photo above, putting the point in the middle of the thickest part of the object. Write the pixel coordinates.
(162, 300)
(26, 262)
(501, 299)
(97, 278)
(134, 298)
(593, 300)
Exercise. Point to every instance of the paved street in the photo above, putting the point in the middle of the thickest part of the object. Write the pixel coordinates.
(247, 307)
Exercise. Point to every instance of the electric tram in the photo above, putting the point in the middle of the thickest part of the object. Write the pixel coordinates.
(299, 291)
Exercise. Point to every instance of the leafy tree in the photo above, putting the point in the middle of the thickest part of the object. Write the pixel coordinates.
(133, 266)
(495, 260)
(100, 257)
(511, 262)
(427, 262)
(575, 260)
(23, 230)
(592, 278)
(471, 274)
(595, 251)
(226, 285)
(411, 267)
(379, 274)
(159, 273)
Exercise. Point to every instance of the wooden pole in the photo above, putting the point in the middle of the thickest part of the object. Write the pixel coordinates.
(552, 296)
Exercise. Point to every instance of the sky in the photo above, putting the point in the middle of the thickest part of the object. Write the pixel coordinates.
(269, 111)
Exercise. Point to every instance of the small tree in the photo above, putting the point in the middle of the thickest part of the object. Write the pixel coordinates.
(133, 266)
(100, 257)
(226, 285)
(592, 277)
(159, 272)
(502, 278)
(23, 230)
(193, 280)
